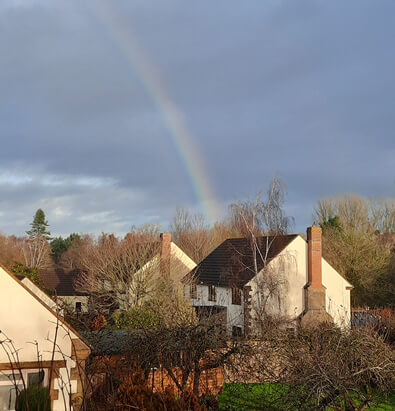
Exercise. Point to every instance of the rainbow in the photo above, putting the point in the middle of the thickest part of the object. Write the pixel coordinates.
(183, 139)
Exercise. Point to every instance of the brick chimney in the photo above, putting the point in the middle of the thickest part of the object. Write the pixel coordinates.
(165, 254)
(314, 291)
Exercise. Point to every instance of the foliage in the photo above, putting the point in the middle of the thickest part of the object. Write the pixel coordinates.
(135, 318)
(39, 226)
(268, 396)
(358, 240)
(29, 272)
(34, 398)
(313, 368)
(60, 245)
(332, 222)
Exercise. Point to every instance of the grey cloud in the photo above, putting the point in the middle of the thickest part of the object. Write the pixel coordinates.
(303, 90)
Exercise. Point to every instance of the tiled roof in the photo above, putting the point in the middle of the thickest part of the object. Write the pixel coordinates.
(232, 263)
(60, 281)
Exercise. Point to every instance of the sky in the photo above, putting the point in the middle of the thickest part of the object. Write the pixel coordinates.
(114, 113)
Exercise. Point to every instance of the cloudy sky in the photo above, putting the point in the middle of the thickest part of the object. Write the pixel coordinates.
(113, 113)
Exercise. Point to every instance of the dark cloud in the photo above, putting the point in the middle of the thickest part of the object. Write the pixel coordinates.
(303, 90)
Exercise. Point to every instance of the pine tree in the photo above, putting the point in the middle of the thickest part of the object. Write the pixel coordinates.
(39, 226)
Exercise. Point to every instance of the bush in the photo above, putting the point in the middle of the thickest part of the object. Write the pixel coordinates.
(136, 318)
(34, 398)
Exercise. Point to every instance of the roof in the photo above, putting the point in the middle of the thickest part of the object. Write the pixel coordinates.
(60, 282)
(112, 342)
(55, 314)
(232, 263)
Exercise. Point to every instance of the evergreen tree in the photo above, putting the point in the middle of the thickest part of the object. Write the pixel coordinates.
(39, 226)
(59, 245)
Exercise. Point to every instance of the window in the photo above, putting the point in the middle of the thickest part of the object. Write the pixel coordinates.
(78, 306)
(35, 378)
(11, 382)
(193, 291)
(212, 293)
(236, 296)
(237, 331)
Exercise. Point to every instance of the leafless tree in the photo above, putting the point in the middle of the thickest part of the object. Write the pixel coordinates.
(262, 221)
(10, 250)
(36, 252)
(120, 272)
(195, 236)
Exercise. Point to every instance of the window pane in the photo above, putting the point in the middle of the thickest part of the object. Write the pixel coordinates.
(8, 396)
(35, 378)
(10, 377)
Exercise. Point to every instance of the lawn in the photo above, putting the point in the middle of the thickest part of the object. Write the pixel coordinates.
(243, 397)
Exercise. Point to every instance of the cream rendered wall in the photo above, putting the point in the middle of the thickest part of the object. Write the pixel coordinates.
(338, 303)
(40, 294)
(180, 263)
(70, 301)
(234, 314)
(292, 262)
(23, 319)
(291, 267)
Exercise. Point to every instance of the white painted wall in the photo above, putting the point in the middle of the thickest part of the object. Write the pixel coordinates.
(24, 319)
(234, 314)
(71, 300)
(40, 294)
(338, 303)
(289, 272)
(292, 262)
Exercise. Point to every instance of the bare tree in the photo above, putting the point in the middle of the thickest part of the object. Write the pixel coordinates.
(36, 252)
(120, 272)
(261, 221)
(10, 250)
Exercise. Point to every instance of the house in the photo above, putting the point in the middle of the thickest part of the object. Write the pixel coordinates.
(170, 261)
(37, 347)
(61, 284)
(174, 263)
(245, 280)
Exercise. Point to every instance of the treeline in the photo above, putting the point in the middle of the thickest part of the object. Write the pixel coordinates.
(358, 240)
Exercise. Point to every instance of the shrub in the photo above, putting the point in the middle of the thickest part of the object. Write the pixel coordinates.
(34, 398)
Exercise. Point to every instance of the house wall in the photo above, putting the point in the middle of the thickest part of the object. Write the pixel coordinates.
(234, 314)
(23, 320)
(292, 263)
(40, 294)
(71, 300)
(289, 275)
(180, 263)
(338, 302)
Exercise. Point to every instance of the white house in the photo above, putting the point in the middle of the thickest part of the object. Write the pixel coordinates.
(293, 281)
(37, 346)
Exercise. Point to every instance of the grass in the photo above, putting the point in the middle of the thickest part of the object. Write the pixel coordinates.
(243, 397)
